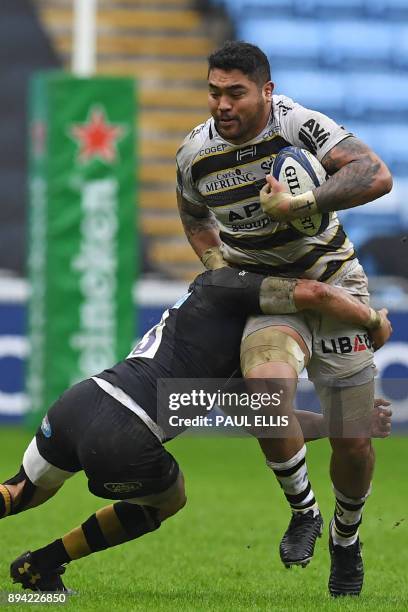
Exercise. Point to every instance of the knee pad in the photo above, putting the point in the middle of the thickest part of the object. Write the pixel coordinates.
(270, 345)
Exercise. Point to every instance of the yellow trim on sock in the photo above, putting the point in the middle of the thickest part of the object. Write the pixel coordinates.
(7, 499)
(75, 544)
(111, 526)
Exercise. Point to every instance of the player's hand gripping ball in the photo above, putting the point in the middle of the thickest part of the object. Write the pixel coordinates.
(288, 196)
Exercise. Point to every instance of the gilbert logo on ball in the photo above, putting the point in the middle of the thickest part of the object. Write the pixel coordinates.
(300, 171)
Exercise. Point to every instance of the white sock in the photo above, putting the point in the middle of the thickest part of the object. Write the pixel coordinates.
(347, 518)
(293, 478)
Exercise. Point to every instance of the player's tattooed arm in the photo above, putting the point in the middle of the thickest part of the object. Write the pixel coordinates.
(357, 176)
(200, 225)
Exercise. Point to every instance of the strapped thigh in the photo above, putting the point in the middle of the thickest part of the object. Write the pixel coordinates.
(270, 344)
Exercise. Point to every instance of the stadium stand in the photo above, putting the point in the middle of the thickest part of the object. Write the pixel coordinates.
(389, 139)
(25, 49)
(313, 89)
(164, 45)
(373, 97)
(305, 43)
(340, 43)
(391, 9)
(349, 59)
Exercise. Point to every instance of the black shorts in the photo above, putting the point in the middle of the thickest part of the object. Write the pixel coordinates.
(90, 430)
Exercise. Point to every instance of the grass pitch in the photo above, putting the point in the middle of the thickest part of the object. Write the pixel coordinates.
(221, 551)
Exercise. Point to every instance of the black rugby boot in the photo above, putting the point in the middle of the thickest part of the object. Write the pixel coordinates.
(298, 543)
(347, 570)
(30, 576)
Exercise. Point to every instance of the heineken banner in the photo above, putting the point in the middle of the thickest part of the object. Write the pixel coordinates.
(82, 231)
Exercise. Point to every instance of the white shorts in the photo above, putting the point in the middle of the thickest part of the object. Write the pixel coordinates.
(340, 353)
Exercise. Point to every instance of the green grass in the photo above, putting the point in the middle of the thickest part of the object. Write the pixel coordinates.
(221, 551)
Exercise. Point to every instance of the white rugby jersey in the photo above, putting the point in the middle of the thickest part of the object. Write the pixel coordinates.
(227, 179)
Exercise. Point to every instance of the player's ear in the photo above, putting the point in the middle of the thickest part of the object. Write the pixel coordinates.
(268, 90)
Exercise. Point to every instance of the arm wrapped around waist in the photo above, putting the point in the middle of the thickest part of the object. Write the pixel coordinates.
(213, 259)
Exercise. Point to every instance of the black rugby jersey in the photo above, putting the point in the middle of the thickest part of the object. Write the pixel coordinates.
(199, 337)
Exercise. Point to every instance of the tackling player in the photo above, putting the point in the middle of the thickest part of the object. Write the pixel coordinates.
(108, 425)
(221, 166)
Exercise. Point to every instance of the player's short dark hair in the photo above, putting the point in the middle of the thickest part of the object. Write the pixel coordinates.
(240, 55)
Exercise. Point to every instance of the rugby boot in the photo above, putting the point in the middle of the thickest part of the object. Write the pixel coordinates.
(25, 572)
(347, 570)
(298, 543)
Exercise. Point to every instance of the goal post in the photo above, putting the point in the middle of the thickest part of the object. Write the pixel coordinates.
(82, 238)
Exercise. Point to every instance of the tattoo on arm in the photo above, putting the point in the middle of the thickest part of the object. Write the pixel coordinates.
(200, 225)
(194, 218)
(194, 225)
(357, 176)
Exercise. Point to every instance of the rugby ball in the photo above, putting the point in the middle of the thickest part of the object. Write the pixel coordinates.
(300, 171)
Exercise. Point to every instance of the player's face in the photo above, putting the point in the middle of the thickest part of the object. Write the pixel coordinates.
(239, 106)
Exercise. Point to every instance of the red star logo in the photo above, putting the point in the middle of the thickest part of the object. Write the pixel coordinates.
(97, 138)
